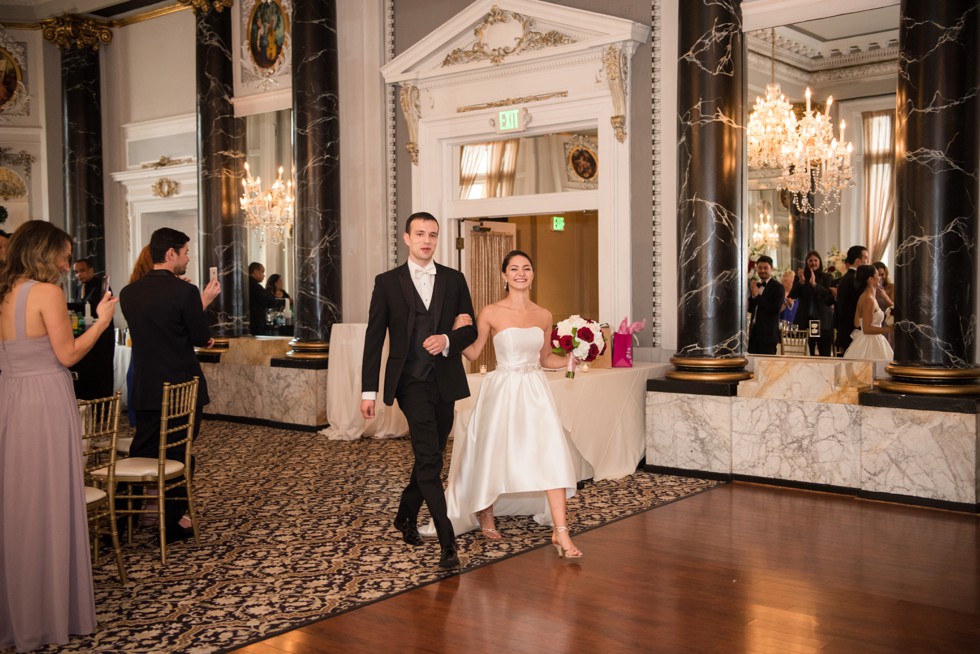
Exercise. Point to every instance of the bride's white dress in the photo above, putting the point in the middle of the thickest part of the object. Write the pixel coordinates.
(515, 447)
(870, 346)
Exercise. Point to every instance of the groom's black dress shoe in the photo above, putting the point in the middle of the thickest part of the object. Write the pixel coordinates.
(410, 531)
(448, 559)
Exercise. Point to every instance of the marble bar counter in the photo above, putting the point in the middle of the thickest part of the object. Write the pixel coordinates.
(818, 422)
(252, 381)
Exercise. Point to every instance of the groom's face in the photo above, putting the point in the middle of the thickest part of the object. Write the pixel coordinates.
(421, 240)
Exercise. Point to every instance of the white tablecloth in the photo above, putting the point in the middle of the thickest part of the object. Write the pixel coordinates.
(604, 411)
(344, 390)
(120, 364)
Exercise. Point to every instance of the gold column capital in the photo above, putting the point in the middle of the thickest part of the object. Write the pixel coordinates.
(71, 31)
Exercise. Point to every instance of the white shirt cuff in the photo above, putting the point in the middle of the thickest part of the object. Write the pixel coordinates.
(369, 395)
(445, 350)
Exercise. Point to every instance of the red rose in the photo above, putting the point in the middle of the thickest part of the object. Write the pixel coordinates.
(584, 334)
(554, 338)
(593, 353)
(566, 343)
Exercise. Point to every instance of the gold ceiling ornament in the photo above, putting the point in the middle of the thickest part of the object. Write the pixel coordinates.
(165, 161)
(205, 6)
(772, 124)
(165, 187)
(527, 41)
(72, 31)
(408, 97)
(12, 186)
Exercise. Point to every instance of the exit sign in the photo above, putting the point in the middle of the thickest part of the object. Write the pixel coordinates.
(558, 223)
(510, 120)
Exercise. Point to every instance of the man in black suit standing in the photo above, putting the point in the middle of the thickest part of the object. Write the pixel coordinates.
(259, 299)
(167, 321)
(417, 304)
(847, 297)
(765, 302)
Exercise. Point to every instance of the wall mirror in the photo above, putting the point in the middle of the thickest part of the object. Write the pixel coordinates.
(269, 146)
(529, 165)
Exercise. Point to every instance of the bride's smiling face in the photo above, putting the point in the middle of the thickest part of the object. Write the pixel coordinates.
(519, 273)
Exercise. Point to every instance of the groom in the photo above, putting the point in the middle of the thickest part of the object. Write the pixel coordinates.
(416, 303)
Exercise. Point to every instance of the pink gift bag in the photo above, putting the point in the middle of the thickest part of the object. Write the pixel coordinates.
(622, 351)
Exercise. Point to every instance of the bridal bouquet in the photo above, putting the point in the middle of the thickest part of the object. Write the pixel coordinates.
(578, 338)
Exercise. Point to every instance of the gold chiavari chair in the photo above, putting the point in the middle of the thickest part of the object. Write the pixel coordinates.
(794, 342)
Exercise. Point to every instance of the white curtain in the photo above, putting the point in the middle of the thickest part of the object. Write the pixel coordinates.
(492, 164)
(879, 179)
(488, 250)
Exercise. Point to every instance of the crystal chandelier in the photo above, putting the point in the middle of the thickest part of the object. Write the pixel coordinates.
(765, 233)
(772, 124)
(268, 211)
(817, 163)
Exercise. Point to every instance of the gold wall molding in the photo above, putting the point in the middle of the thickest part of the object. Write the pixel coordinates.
(510, 101)
(165, 187)
(165, 161)
(412, 110)
(119, 22)
(70, 32)
(205, 6)
(616, 67)
(528, 41)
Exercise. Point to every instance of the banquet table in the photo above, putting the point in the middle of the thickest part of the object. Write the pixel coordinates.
(120, 364)
(603, 411)
(344, 390)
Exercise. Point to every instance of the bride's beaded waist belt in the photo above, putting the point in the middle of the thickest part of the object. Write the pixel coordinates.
(521, 367)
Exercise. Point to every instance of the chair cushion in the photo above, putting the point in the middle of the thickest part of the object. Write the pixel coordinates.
(122, 444)
(93, 495)
(140, 467)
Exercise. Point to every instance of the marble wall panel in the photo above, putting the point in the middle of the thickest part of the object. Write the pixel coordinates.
(693, 432)
(926, 454)
(286, 395)
(813, 379)
(814, 442)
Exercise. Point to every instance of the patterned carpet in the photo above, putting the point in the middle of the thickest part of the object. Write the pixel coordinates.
(296, 528)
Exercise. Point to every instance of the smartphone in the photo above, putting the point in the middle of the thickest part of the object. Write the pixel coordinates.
(105, 284)
(214, 273)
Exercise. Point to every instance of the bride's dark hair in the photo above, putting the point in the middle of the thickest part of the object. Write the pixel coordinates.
(863, 274)
(511, 255)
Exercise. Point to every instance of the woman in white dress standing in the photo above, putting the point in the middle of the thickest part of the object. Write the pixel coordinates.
(515, 457)
(868, 339)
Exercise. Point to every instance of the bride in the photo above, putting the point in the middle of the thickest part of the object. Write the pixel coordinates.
(514, 454)
(868, 340)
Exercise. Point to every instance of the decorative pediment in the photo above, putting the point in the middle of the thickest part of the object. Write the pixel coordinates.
(492, 33)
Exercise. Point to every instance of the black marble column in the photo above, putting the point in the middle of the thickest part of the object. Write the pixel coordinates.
(711, 274)
(220, 137)
(84, 195)
(801, 230)
(937, 164)
(316, 232)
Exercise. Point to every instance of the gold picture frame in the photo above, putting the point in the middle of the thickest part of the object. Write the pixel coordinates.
(11, 78)
(581, 163)
(268, 34)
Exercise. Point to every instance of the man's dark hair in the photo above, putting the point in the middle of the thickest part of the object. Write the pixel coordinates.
(164, 239)
(854, 253)
(86, 261)
(765, 258)
(418, 215)
(255, 265)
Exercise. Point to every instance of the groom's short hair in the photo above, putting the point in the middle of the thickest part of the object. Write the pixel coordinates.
(418, 215)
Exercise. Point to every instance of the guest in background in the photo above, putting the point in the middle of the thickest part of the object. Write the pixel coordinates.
(259, 299)
(46, 590)
(94, 373)
(274, 286)
(815, 302)
(167, 322)
(847, 296)
(765, 303)
(868, 338)
(89, 284)
(788, 314)
(4, 241)
(886, 289)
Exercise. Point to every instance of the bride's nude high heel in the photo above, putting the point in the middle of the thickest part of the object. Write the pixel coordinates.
(570, 553)
(488, 532)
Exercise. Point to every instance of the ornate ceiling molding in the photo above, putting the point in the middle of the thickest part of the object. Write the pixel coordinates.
(204, 6)
(71, 31)
(506, 102)
(529, 40)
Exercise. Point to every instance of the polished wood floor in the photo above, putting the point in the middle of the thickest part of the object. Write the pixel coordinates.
(740, 568)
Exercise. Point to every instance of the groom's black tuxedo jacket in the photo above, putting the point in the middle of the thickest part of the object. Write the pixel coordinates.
(393, 309)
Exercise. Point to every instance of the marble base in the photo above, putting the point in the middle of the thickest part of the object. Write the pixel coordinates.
(243, 384)
(800, 422)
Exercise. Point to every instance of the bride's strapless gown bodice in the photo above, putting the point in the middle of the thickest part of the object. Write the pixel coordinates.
(870, 346)
(515, 447)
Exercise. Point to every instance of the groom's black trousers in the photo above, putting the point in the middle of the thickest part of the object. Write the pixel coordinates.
(430, 419)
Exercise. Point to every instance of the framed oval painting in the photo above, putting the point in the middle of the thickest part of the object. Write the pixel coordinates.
(10, 78)
(583, 163)
(267, 28)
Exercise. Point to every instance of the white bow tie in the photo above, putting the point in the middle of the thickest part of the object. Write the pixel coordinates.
(428, 270)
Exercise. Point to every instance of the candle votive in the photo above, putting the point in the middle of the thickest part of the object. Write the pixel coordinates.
(584, 368)
(483, 370)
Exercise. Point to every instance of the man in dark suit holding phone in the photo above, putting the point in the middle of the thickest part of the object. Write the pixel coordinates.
(417, 304)
(167, 321)
(765, 303)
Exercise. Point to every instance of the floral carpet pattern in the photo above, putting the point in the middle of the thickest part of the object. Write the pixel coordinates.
(296, 528)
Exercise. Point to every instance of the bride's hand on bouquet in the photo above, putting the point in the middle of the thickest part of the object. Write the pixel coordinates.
(462, 320)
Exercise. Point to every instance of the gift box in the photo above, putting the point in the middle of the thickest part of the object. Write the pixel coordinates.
(622, 350)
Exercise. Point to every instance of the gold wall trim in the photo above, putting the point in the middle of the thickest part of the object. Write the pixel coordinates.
(707, 363)
(939, 374)
(509, 101)
(159, 12)
(929, 389)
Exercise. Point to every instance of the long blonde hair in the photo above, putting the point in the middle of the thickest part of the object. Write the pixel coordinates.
(33, 254)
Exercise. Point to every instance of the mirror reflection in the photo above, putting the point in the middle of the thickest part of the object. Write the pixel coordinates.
(269, 147)
(529, 165)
